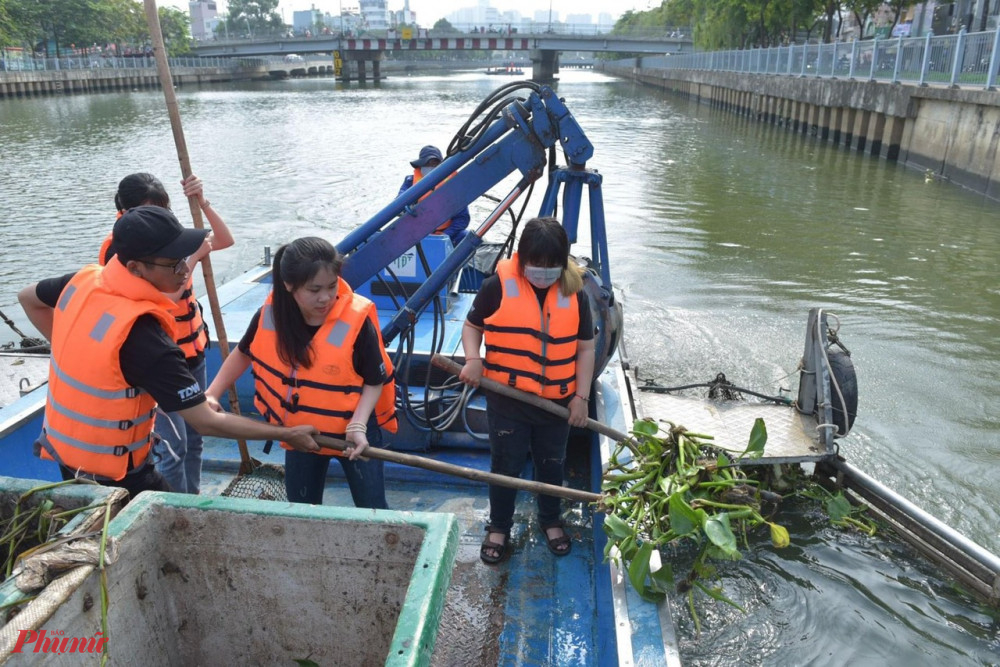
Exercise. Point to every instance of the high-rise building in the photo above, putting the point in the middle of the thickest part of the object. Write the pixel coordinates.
(375, 14)
(405, 16)
(204, 18)
(307, 19)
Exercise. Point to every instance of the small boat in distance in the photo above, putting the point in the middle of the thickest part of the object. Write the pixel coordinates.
(510, 70)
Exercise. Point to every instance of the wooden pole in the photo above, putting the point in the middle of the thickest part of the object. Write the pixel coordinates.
(454, 368)
(326, 442)
(167, 83)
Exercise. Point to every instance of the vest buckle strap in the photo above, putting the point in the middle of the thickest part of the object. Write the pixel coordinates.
(132, 392)
(512, 380)
(125, 424)
(120, 450)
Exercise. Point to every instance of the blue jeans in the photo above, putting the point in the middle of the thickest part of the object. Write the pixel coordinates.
(178, 453)
(305, 475)
(510, 442)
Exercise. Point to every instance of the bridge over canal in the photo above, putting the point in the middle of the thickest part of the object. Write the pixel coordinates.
(543, 49)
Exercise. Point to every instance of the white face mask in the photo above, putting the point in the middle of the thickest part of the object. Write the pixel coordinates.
(542, 276)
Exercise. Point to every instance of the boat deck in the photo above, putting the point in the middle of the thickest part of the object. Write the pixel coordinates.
(20, 373)
(493, 614)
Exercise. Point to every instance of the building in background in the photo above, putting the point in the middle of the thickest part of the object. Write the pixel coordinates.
(375, 14)
(204, 19)
(404, 16)
(580, 24)
(306, 20)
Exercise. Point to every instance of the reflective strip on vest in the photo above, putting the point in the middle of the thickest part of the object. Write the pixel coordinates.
(114, 424)
(131, 392)
(43, 443)
(101, 327)
(67, 294)
(120, 450)
(338, 333)
(510, 287)
(266, 318)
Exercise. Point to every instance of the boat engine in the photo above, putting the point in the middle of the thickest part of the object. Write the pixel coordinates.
(606, 312)
(828, 385)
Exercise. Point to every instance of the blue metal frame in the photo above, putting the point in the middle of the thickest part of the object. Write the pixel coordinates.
(516, 142)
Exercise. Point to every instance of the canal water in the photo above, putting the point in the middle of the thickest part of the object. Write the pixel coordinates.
(723, 233)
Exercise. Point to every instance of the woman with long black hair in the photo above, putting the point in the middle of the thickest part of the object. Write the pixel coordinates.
(317, 358)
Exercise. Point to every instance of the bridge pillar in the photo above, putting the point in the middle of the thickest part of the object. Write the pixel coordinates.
(544, 65)
(362, 71)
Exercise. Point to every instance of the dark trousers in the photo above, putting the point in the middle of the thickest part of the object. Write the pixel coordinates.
(145, 478)
(305, 475)
(510, 443)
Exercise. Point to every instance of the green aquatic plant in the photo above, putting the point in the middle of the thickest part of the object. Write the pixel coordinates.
(840, 510)
(668, 486)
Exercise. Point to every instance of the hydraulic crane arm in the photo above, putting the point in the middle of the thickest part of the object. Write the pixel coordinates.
(516, 142)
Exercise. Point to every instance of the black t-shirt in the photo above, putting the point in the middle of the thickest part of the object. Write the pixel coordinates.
(486, 303)
(149, 357)
(366, 356)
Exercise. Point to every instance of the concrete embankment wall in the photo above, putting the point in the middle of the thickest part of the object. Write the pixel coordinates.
(56, 82)
(952, 132)
(53, 82)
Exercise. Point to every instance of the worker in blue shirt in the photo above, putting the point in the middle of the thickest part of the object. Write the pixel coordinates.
(430, 157)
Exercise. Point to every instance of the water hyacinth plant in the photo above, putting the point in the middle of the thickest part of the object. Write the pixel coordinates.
(669, 486)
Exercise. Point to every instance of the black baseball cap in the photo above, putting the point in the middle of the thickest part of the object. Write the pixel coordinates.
(427, 153)
(153, 231)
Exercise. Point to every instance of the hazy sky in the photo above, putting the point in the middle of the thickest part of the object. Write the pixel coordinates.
(429, 11)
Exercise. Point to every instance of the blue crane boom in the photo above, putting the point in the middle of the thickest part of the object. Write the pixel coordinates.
(516, 142)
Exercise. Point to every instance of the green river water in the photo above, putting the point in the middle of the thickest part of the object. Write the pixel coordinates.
(723, 233)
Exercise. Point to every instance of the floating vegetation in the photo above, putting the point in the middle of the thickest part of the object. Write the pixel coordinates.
(668, 487)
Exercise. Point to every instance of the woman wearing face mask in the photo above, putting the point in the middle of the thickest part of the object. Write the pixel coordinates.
(540, 339)
(318, 359)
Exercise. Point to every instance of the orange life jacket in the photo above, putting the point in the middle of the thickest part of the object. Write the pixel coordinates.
(416, 178)
(93, 418)
(529, 347)
(189, 331)
(326, 394)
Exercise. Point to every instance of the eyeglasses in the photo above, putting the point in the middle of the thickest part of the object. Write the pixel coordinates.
(180, 266)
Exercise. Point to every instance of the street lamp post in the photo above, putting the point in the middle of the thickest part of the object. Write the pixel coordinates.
(550, 15)
(341, 20)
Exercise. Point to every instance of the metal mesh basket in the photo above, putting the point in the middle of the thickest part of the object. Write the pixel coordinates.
(265, 482)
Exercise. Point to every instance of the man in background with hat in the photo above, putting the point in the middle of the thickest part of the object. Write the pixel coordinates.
(114, 360)
(431, 157)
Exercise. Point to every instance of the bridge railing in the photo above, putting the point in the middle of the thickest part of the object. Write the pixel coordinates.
(461, 31)
(102, 62)
(569, 29)
(963, 59)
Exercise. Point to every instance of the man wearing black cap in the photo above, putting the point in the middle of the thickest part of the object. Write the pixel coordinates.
(431, 157)
(114, 361)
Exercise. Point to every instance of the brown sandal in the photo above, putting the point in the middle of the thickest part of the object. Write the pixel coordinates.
(559, 546)
(491, 552)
